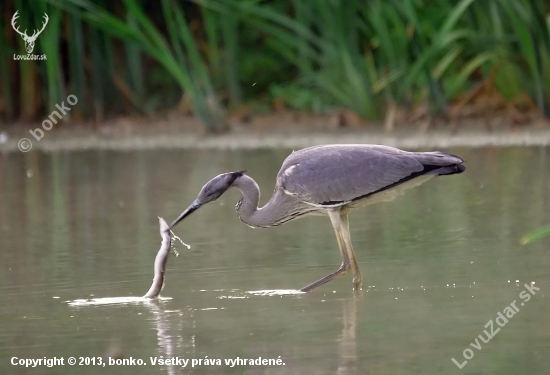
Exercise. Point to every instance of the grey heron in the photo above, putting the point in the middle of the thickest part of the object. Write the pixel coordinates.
(330, 180)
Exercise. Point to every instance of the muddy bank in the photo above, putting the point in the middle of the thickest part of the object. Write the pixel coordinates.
(132, 134)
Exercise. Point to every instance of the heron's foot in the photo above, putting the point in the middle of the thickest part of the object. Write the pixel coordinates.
(357, 283)
(344, 268)
(357, 280)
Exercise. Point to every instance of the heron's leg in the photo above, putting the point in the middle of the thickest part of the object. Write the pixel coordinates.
(335, 218)
(357, 278)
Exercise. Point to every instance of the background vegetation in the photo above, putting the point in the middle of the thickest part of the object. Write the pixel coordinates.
(369, 57)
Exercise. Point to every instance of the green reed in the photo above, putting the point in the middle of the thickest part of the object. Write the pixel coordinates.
(360, 55)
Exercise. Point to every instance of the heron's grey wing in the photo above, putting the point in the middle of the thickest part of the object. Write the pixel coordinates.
(335, 174)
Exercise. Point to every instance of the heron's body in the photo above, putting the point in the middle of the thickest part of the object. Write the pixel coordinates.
(331, 180)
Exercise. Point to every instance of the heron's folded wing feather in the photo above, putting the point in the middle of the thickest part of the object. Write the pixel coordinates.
(336, 174)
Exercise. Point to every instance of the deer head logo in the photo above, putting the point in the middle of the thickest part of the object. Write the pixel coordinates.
(29, 40)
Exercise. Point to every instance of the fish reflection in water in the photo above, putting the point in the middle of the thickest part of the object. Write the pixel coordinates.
(168, 323)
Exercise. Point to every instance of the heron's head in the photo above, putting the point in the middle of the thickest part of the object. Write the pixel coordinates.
(211, 191)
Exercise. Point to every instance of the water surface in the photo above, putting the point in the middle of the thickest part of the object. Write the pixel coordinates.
(438, 264)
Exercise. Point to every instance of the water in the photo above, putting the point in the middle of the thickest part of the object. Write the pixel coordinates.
(438, 264)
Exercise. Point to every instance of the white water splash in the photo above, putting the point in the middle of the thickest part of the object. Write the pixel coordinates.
(113, 301)
(275, 292)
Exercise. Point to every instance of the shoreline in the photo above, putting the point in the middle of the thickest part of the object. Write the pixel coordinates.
(291, 139)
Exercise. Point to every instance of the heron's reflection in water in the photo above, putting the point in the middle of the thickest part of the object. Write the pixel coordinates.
(166, 322)
(347, 343)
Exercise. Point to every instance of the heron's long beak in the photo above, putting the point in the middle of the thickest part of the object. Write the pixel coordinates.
(192, 208)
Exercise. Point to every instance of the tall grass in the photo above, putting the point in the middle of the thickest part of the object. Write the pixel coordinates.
(366, 57)
(177, 53)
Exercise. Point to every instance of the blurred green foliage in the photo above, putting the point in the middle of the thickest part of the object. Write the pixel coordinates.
(131, 55)
(535, 235)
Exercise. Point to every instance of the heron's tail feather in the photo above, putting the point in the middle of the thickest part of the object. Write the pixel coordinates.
(451, 169)
(440, 163)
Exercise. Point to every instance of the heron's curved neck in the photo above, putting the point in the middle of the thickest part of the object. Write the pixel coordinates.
(248, 210)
